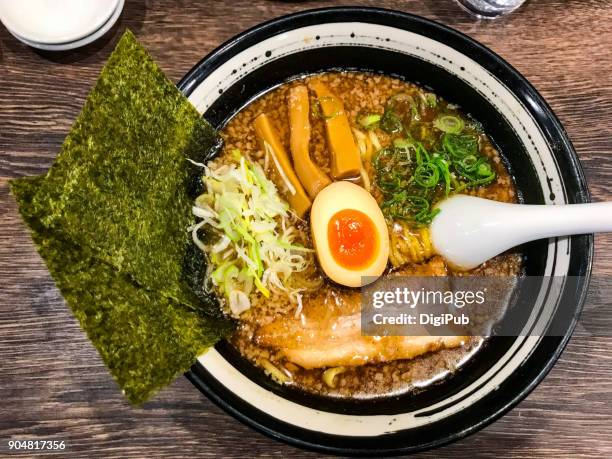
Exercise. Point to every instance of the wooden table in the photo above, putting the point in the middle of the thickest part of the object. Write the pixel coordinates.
(53, 385)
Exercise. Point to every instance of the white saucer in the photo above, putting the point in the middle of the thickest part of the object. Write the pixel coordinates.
(55, 21)
(94, 35)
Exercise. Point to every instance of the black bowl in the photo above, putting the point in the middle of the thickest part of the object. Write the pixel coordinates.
(539, 156)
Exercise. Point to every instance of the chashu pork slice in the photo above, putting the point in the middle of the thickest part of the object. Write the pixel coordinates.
(328, 333)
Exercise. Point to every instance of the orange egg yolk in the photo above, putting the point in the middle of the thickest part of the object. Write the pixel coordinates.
(353, 239)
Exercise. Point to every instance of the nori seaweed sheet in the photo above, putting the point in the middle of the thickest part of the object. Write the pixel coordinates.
(144, 338)
(120, 183)
(110, 219)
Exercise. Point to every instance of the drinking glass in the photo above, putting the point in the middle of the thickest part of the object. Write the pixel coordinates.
(490, 9)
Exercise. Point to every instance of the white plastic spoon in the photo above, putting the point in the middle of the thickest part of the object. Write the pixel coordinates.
(469, 231)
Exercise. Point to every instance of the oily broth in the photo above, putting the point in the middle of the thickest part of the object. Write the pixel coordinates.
(360, 92)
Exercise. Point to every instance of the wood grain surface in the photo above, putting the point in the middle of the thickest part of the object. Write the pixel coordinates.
(53, 385)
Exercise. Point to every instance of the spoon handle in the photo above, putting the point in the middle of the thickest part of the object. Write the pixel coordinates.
(469, 230)
(548, 221)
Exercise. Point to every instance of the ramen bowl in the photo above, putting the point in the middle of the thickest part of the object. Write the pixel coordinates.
(538, 155)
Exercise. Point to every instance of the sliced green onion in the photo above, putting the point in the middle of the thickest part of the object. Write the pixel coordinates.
(460, 144)
(449, 124)
(369, 121)
(391, 123)
(402, 147)
(399, 98)
(421, 153)
(482, 181)
(484, 170)
(403, 206)
(402, 144)
(431, 100)
(427, 175)
(445, 172)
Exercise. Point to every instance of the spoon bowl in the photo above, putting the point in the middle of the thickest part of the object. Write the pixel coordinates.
(469, 231)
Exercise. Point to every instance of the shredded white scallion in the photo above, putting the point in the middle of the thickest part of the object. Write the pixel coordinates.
(194, 235)
(279, 169)
(298, 300)
(375, 141)
(254, 240)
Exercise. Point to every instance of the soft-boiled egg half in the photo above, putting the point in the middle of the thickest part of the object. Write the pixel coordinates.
(350, 234)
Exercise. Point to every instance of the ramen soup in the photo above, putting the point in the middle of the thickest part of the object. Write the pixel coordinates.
(322, 181)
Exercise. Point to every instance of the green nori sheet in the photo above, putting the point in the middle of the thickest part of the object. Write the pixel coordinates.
(144, 338)
(120, 182)
(110, 219)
